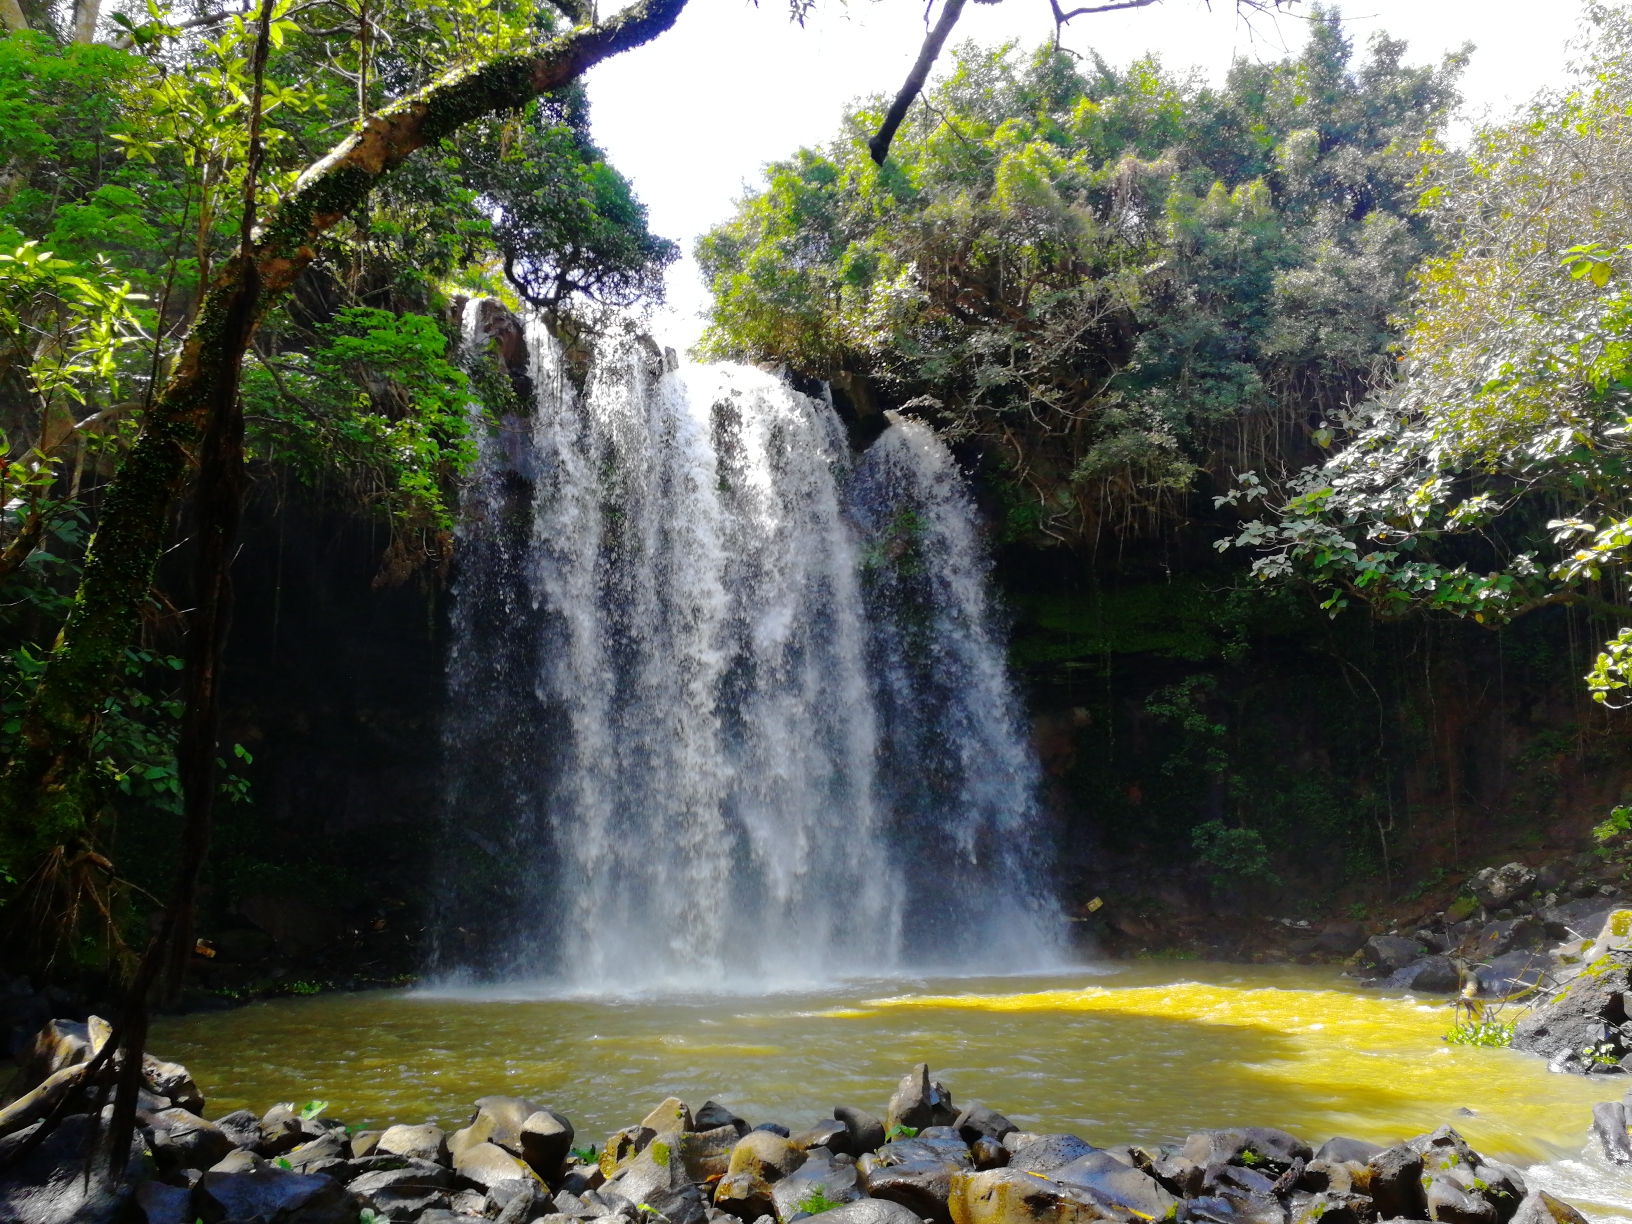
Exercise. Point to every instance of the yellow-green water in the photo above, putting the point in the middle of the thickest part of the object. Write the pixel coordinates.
(1147, 1053)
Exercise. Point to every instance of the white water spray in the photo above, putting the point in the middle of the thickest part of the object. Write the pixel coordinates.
(693, 736)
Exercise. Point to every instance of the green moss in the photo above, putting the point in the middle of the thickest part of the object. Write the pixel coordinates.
(1177, 620)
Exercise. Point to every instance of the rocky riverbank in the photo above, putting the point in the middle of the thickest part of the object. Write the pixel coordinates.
(925, 1160)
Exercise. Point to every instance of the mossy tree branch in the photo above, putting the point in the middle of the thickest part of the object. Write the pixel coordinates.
(43, 796)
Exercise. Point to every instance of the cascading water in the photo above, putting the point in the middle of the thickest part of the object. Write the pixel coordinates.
(723, 706)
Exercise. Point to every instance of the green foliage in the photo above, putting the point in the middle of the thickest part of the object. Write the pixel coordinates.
(817, 1202)
(1111, 279)
(312, 1109)
(900, 1132)
(1615, 827)
(1493, 1034)
(1237, 854)
(379, 409)
(1490, 477)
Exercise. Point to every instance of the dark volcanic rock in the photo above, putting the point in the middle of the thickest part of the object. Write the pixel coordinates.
(1431, 975)
(49, 1185)
(241, 1127)
(269, 1194)
(1543, 1208)
(1386, 954)
(1396, 1183)
(919, 1102)
(713, 1115)
(1609, 1128)
(1340, 1148)
(1450, 1203)
(977, 1120)
(1588, 1011)
(1270, 1149)
(866, 1132)
(1045, 1153)
(1499, 886)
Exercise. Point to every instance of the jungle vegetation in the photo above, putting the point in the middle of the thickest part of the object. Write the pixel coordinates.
(1284, 317)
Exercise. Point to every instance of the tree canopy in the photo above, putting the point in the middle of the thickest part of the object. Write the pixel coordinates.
(1112, 279)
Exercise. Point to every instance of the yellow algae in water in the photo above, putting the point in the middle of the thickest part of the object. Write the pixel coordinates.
(1369, 1065)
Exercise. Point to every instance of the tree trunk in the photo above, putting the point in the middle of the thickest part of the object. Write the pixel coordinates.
(86, 13)
(44, 788)
(11, 16)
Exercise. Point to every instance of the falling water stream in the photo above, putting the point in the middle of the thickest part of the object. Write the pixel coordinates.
(731, 703)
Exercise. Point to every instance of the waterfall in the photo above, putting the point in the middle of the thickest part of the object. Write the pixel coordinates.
(706, 715)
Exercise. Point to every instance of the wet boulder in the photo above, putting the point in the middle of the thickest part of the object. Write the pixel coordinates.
(871, 1211)
(1586, 1013)
(162, 1204)
(866, 1132)
(1579, 919)
(1430, 975)
(1514, 971)
(172, 1081)
(707, 1153)
(1497, 887)
(988, 1153)
(1044, 1153)
(1543, 1208)
(1505, 935)
(241, 1127)
(1387, 954)
(1609, 1129)
(185, 1140)
(830, 1134)
(671, 1115)
(977, 1120)
(546, 1142)
(714, 1115)
(1344, 1150)
(268, 1194)
(745, 1195)
(425, 1142)
(1340, 939)
(1396, 1183)
(1262, 1147)
(1114, 1180)
(49, 1185)
(1009, 1196)
(915, 1174)
(919, 1102)
(765, 1155)
(1449, 1202)
(815, 1184)
(487, 1164)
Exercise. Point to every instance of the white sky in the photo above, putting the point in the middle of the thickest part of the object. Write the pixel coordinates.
(694, 115)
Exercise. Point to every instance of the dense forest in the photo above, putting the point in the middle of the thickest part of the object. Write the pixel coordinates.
(1299, 429)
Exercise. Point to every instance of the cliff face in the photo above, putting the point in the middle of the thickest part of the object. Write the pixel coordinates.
(1343, 766)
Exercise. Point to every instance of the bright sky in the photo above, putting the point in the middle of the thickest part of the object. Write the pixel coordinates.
(693, 116)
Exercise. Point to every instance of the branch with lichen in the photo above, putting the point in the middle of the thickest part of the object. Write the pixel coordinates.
(42, 795)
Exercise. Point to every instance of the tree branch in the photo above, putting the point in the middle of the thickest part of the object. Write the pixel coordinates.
(42, 795)
(879, 145)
